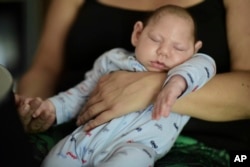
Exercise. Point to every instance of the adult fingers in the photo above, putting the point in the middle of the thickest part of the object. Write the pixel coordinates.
(89, 112)
(25, 115)
(99, 120)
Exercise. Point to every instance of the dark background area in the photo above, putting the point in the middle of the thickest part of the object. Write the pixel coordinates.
(20, 26)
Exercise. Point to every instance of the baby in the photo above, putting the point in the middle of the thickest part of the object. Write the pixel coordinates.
(165, 42)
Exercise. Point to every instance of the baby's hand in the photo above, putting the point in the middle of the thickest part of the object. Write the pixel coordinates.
(43, 117)
(36, 115)
(167, 97)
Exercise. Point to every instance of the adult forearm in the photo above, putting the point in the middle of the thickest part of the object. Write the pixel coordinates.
(34, 84)
(224, 98)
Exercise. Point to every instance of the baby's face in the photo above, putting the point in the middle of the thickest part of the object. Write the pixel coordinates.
(165, 43)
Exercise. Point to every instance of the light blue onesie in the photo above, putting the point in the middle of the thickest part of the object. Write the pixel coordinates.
(133, 140)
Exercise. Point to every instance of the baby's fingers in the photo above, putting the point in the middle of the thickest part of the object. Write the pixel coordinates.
(35, 105)
(161, 110)
(163, 105)
(156, 111)
(42, 123)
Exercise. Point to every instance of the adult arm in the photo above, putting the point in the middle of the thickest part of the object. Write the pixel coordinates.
(40, 80)
(224, 98)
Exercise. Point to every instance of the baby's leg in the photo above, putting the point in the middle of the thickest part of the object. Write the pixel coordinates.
(71, 151)
(129, 154)
(62, 154)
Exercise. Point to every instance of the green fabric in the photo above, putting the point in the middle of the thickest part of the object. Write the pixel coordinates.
(43, 142)
(186, 152)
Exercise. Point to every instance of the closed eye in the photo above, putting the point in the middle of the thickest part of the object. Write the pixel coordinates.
(154, 39)
(179, 48)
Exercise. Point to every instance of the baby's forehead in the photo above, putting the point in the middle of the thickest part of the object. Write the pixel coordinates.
(175, 15)
(170, 11)
(166, 15)
(168, 22)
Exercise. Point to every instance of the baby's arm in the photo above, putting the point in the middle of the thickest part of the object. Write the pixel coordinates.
(184, 79)
(37, 115)
(69, 104)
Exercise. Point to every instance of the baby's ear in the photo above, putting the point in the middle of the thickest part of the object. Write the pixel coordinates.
(138, 27)
(197, 46)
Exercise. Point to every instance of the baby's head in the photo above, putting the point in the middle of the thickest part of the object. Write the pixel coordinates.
(165, 39)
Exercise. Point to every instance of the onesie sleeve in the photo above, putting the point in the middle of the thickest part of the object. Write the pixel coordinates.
(69, 103)
(197, 71)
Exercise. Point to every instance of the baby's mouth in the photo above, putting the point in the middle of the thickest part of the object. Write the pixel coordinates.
(158, 65)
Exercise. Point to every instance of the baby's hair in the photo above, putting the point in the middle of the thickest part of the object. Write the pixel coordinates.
(171, 9)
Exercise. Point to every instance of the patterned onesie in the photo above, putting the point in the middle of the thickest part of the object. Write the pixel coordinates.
(133, 140)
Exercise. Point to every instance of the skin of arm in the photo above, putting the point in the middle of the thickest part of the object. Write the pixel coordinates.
(226, 101)
(40, 80)
(217, 101)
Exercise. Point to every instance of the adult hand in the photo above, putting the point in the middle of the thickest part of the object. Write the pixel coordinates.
(26, 109)
(120, 93)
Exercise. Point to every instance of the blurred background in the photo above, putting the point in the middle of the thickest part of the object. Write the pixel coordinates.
(20, 26)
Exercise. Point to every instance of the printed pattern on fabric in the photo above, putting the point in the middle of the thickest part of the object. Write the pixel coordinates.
(115, 138)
